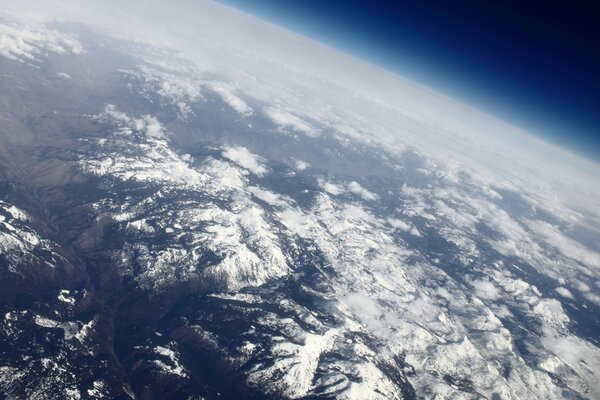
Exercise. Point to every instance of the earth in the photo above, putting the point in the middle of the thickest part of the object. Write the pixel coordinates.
(195, 204)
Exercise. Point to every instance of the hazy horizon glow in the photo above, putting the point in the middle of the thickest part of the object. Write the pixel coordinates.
(534, 99)
(275, 66)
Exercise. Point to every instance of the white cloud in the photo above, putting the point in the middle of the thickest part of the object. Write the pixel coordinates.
(177, 88)
(274, 199)
(357, 213)
(151, 126)
(485, 289)
(301, 165)
(579, 285)
(173, 86)
(26, 42)
(362, 304)
(359, 190)
(245, 159)
(352, 187)
(580, 356)
(567, 246)
(367, 310)
(403, 226)
(147, 123)
(226, 92)
(330, 187)
(564, 292)
(111, 111)
(288, 120)
(594, 298)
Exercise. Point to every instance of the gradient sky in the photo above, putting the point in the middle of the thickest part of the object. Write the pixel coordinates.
(534, 65)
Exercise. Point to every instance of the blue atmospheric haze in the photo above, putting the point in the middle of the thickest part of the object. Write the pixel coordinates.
(535, 66)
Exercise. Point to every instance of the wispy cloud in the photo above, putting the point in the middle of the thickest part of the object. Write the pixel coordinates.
(25, 42)
(274, 199)
(357, 189)
(245, 159)
(227, 94)
(288, 120)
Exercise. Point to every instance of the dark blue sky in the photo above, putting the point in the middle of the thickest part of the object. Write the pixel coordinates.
(534, 64)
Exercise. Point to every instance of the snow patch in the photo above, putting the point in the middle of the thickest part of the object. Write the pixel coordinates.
(172, 366)
(65, 298)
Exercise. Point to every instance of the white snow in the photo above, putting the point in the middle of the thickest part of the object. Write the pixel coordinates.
(71, 329)
(65, 298)
(295, 363)
(172, 366)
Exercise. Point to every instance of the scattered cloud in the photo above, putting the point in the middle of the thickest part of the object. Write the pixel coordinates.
(579, 285)
(245, 159)
(301, 165)
(564, 292)
(594, 298)
(173, 87)
(485, 289)
(288, 120)
(352, 187)
(356, 188)
(151, 126)
(25, 42)
(146, 124)
(367, 310)
(226, 92)
(112, 112)
(268, 197)
(403, 226)
(567, 246)
(330, 187)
